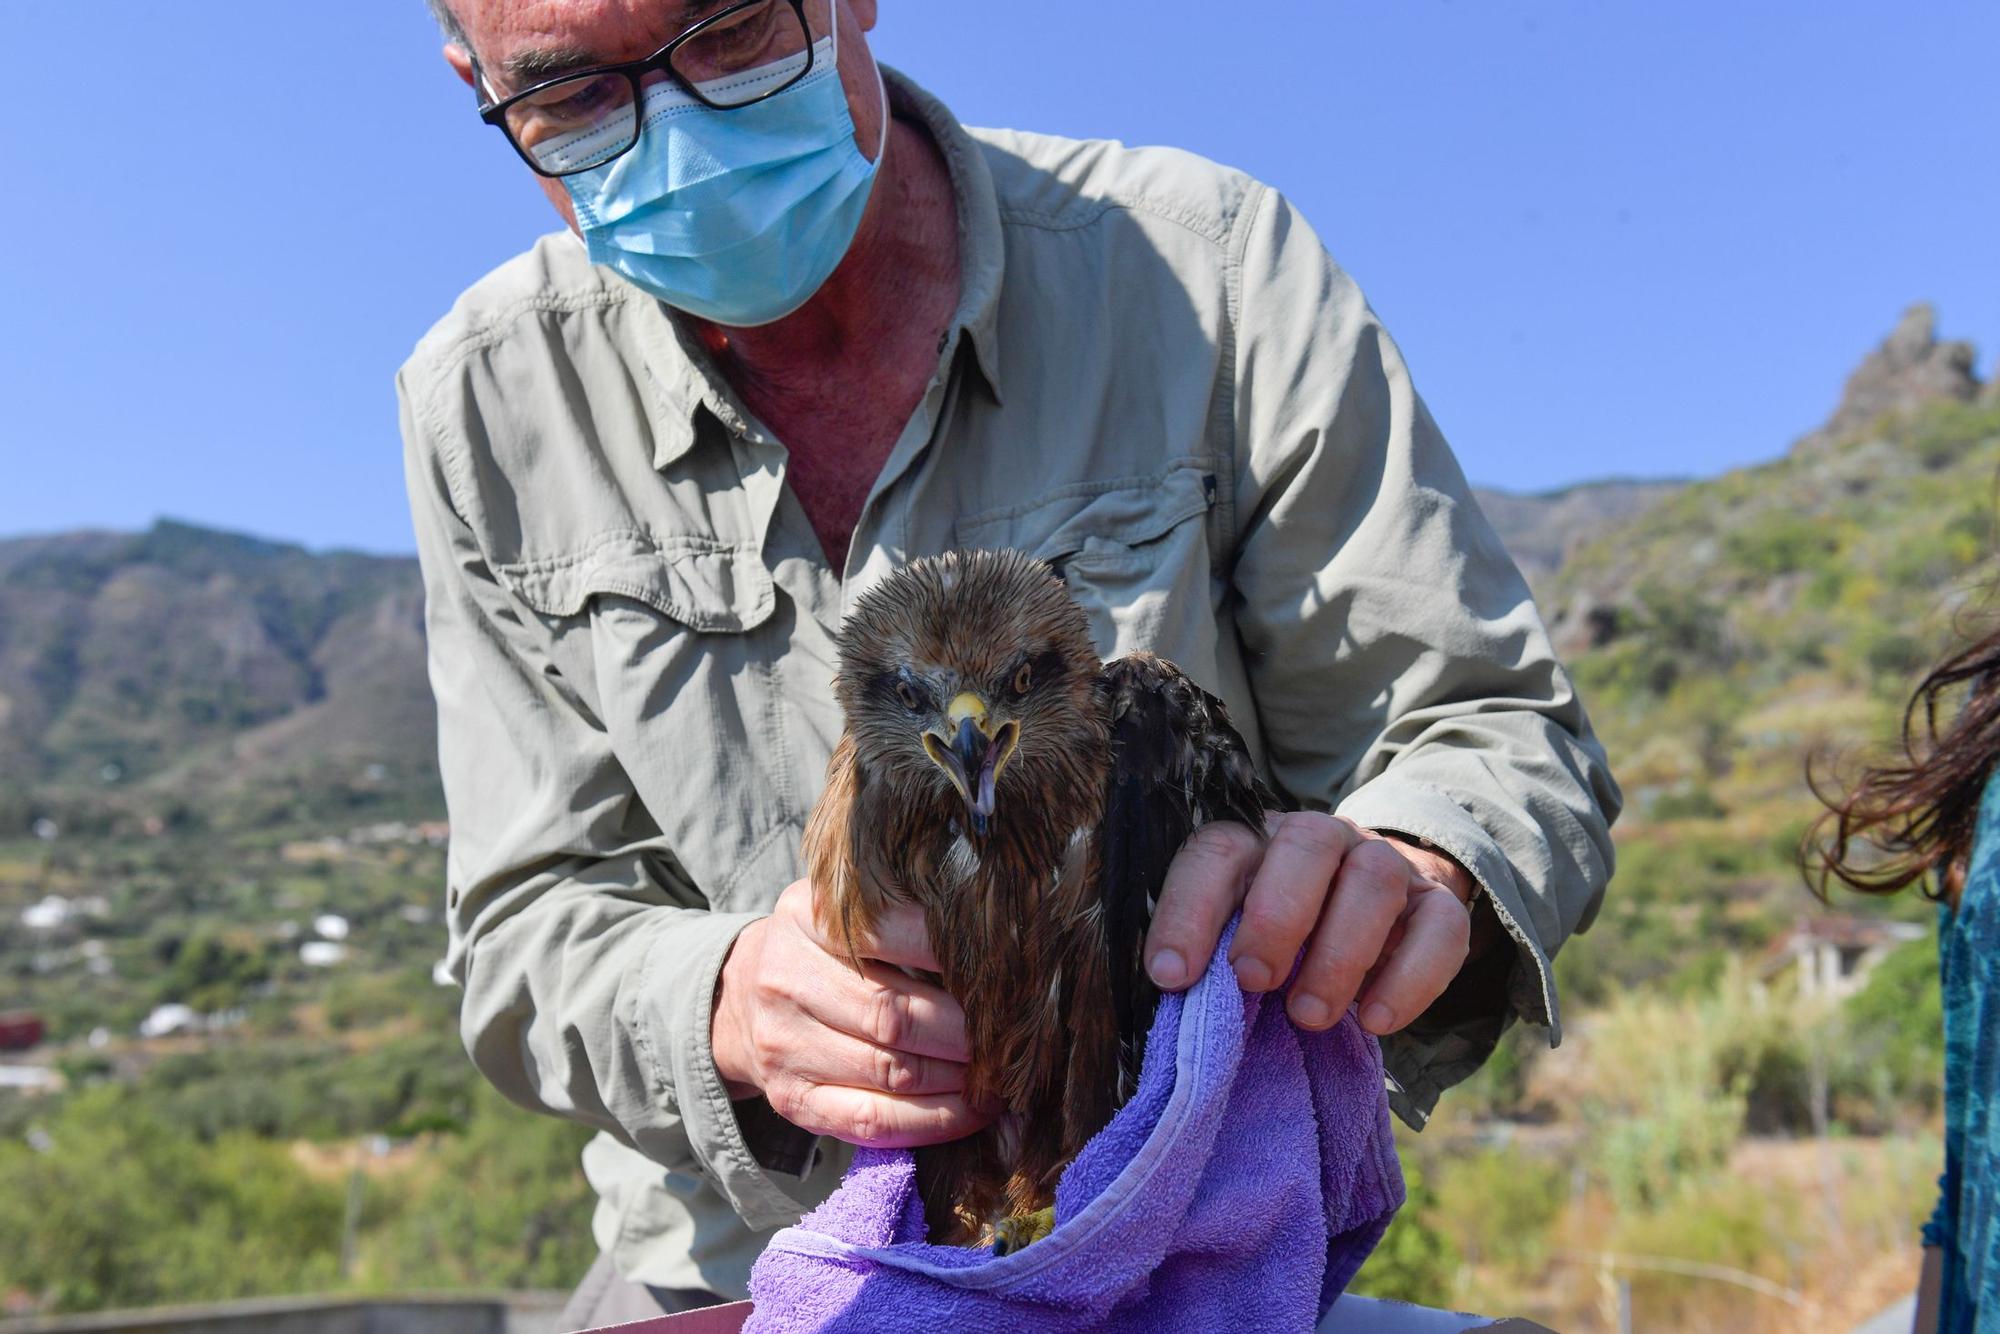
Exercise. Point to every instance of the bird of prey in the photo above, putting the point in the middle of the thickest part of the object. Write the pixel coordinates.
(1028, 798)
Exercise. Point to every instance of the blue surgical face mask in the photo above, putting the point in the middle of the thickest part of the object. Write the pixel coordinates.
(735, 216)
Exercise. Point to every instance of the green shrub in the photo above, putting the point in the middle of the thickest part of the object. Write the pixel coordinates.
(1498, 1207)
(123, 1208)
(1416, 1261)
(210, 972)
(1896, 1023)
(1695, 802)
(366, 1000)
(315, 1090)
(1946, 432)
(1660, 1111)
(508, 1207)
(1781, 543)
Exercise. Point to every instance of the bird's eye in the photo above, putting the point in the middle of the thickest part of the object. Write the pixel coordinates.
(908, 694)
(1023, 678)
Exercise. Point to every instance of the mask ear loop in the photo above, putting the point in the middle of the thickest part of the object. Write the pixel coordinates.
(881, 84)
(882, 146)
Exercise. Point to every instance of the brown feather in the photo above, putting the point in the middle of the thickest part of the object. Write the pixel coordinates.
(828, 852)
(1036, 934)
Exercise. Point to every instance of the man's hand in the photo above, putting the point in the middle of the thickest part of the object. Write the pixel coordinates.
(875, 1058)
(1379, 917)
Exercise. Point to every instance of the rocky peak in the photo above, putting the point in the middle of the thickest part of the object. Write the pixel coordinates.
(1909, 369)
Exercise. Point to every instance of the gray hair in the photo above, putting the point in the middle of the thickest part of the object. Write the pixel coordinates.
(448, 22)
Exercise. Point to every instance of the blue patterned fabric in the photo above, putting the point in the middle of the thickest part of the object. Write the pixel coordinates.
(1966, 1224)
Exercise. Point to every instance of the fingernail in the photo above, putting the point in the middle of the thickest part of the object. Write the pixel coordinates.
(1309, 1011)
(1169, 969)
(1377, 1017)
(1252, 975)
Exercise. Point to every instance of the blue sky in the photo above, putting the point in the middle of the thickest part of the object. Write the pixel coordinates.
(1612, 238)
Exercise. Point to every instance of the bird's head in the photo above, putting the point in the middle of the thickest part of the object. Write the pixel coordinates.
(970, 679)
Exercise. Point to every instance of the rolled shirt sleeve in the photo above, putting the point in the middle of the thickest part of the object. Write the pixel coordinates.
(589, 961)
(1402, 674)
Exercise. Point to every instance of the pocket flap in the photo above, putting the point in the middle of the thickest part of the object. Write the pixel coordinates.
(1128, 511)
(705, 585)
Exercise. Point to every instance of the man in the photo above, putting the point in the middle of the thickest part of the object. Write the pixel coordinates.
(802, 327)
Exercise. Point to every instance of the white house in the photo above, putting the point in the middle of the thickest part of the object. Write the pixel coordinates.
(168, 1020)
(1833, 954)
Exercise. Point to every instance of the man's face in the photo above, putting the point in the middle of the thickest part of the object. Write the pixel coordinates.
(519, 43)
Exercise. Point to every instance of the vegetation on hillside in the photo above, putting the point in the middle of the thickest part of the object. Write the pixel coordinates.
(112, 1201)
(321, 1130)
(1727, 638)
(1752, 626)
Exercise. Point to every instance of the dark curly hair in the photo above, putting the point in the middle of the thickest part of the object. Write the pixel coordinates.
(1915, 815)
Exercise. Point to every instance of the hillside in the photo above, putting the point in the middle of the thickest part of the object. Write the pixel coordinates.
(1711, 1105)
(144, 673)
(1541, 529)
(1748, 625)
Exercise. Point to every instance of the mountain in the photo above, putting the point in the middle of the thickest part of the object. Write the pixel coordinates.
(1910, 370)
(1758, 627)
(152, 669)
(1891, 500)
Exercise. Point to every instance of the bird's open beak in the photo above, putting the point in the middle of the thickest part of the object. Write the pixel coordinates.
(972, 753)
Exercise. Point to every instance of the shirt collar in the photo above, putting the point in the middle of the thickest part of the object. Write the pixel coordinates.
(687, 379)
(982, 250)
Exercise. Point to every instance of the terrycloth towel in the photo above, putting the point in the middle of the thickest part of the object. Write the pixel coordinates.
(1241, 1187)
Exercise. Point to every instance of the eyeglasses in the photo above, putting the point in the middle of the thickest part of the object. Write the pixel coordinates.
(732, 58)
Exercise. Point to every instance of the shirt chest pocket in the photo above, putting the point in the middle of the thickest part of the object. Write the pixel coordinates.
(1136, 555)
(678, 647)
(699, 583)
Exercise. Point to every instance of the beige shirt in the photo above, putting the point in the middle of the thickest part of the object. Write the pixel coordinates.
(1158, 380)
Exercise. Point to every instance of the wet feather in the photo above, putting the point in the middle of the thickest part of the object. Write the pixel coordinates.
(1038, 919)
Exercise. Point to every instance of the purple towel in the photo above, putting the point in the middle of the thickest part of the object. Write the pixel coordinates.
(1241, 1187)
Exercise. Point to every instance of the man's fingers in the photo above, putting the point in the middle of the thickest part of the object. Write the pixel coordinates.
(1204, 884)
(876, 1120)
(1371, 891)
(889, 1009)
(850, 1062)
(1305, 852)
(1437, 934)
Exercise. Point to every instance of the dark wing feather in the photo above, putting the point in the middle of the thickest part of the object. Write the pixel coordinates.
(1176, 764)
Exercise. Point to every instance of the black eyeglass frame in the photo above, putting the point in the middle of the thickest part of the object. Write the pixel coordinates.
(661, 61)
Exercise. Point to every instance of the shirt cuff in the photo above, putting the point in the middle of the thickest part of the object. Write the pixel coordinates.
(682, 969)
(1453, 1039)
